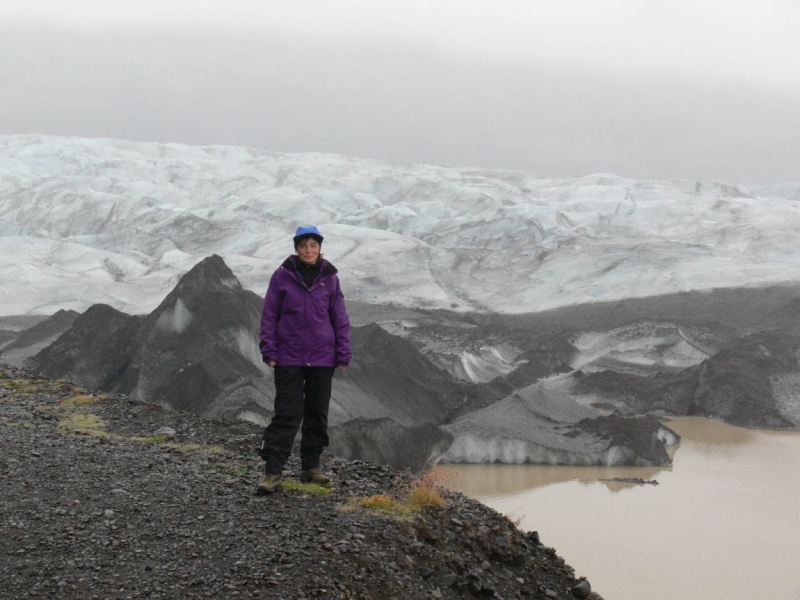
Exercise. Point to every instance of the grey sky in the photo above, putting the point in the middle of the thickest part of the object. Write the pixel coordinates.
(698, 90)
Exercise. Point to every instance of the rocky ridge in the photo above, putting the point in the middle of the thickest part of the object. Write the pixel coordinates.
(109, 497)
(198, 351)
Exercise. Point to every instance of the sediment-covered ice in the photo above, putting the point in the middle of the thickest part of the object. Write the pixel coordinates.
(640, 347)
(542, 425)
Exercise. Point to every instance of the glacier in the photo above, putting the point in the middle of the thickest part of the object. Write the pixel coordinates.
(85, 221)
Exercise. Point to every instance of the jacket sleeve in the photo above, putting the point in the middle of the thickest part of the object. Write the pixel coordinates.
(269, 320)
(341, 326)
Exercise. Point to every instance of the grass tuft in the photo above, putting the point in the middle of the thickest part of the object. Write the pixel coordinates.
(385, 504)
(153, 439)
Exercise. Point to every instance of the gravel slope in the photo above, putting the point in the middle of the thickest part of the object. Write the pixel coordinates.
(94, 505)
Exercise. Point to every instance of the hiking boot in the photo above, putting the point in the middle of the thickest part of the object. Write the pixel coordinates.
(271, 483)
(316, 476)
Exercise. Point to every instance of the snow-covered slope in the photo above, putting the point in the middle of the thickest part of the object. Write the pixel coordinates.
(89, 221)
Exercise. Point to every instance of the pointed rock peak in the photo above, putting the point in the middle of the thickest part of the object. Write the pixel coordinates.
(209, 275)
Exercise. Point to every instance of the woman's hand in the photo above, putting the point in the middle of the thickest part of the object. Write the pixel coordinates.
(271, 363)
(343, 367)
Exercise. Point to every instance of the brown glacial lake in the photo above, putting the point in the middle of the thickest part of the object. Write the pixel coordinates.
(724, 521)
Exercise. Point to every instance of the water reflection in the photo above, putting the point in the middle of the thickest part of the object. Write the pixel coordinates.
(505, 480)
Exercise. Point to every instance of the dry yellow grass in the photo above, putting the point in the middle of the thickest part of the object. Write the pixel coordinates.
(384, 504)
(423, 496)
(81, 400)
(83, 423)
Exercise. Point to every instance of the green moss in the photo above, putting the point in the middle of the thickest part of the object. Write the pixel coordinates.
(238, 470)
(306, 488)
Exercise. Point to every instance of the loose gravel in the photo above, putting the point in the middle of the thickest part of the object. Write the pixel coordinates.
(110, 497)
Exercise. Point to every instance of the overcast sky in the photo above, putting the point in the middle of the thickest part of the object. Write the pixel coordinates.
(699, 90)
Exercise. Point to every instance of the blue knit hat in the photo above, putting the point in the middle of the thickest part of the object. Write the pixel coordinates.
(305, 232)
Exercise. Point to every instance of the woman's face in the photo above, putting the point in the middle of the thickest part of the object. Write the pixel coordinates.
(308, 251)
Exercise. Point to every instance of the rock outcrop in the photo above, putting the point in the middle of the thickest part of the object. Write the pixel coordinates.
(187, 354)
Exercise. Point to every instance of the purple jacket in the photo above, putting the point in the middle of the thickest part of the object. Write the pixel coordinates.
(303, 326)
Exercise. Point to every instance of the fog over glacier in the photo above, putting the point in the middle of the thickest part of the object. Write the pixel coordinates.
(85, 221)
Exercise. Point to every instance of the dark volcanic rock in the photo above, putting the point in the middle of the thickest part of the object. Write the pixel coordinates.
(200, 340)
(386, 441)
(106, 513)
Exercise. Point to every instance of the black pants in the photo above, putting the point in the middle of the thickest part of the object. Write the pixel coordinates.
(302, 394)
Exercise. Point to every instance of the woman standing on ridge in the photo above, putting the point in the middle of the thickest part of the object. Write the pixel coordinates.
(305, 336)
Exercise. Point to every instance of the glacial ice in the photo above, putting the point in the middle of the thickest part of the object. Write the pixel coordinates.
(86, 221)
(486, 364)
(476, 450)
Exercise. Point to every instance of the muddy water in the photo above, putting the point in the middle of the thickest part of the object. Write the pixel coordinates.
(724, 521)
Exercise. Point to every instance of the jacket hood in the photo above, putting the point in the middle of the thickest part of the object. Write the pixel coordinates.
(326, 267)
